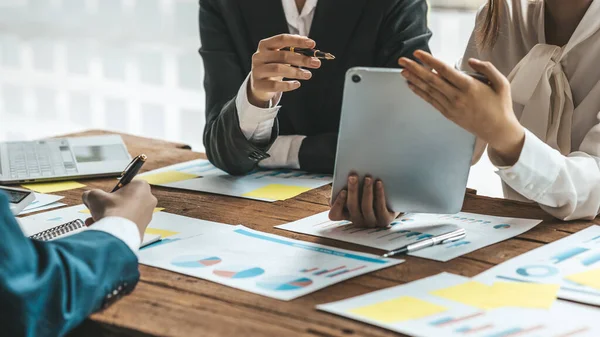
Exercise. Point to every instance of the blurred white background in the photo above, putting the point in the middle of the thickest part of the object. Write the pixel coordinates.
(133, 66)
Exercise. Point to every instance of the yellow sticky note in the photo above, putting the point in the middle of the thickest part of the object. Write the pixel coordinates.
(87, 211)
(590, 278)
(502, 294)
(166, 177)
(470, 293)
(54, 187)
(162, 232)
(277, 192)
(399, 310)
(523, 295)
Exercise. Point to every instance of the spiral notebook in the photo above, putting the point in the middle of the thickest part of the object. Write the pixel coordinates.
(75, 226)
(58, 231)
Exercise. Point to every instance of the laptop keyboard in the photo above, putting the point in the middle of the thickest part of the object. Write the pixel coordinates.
(30, 160)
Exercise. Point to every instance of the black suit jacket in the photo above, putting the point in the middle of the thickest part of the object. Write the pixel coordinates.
(371, 33)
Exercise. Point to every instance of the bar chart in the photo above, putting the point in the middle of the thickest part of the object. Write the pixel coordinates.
(332, 272)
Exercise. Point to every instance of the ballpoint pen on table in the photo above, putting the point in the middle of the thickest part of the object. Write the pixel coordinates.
(456, 235)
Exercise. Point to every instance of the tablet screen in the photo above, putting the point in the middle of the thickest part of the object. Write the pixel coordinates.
(15, 197)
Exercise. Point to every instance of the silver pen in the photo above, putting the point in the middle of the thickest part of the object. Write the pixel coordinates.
(456, 235)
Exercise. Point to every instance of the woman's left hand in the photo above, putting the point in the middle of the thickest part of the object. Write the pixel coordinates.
(484, 110)
(366, 209)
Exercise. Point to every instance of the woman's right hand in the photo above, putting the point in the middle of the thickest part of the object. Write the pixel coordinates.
(270, 66)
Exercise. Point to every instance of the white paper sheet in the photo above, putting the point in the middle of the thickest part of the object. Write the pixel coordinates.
(482, 231)
(216, 181)
(460, 320)
(43, 208)
(262, 263)
(180, 227)
(41, 200)
(553, 262)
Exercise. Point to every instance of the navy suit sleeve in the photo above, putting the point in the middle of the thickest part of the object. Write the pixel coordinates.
(48, 288)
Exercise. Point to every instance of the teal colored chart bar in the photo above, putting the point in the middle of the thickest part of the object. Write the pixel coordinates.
(310, 247)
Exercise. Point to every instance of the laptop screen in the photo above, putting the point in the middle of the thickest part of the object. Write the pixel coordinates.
(93, 154)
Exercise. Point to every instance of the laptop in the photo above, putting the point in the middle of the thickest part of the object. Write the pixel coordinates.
(62, 159)
(389, 133)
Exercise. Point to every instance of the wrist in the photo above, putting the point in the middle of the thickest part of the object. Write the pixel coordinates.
(509, 145)
(258, 99)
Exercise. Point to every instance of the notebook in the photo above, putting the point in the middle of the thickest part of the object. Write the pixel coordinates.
(40, 231)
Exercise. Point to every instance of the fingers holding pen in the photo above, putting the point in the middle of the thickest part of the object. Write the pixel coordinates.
(285, 40)
(286, 57)
(275, 71)
(267, 71)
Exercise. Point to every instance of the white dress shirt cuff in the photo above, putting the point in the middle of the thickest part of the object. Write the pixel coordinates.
(535, 171)
(284, 153)
(256, 123)
(121, 228)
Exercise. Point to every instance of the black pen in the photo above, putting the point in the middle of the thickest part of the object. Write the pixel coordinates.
(479, 76)
(453, 236)
(131, 171)
(310, 52)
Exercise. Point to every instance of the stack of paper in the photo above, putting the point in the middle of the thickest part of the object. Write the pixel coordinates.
(449, 305)
(43, 202)
(482, 231)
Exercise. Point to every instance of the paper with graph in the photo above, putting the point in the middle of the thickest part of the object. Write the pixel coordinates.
(262, 263)
(482, 231)
(572, 262)
(200, 175)
(448, 305)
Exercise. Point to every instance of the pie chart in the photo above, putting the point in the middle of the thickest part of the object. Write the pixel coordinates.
(237, 272)
(283, 283)
(502, 226)
(195, 261)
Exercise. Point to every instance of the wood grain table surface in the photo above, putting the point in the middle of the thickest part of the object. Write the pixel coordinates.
(170, 304)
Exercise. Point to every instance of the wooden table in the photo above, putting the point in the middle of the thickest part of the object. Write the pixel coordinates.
(170, 304)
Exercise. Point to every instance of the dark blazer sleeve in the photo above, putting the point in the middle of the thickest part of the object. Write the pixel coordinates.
(48, 288)
(403, 31)
(226, 146)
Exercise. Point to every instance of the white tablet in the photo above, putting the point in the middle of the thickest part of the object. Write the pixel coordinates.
(389, 133)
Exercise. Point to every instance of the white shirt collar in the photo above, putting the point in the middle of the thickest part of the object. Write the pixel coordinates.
(293, 17)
